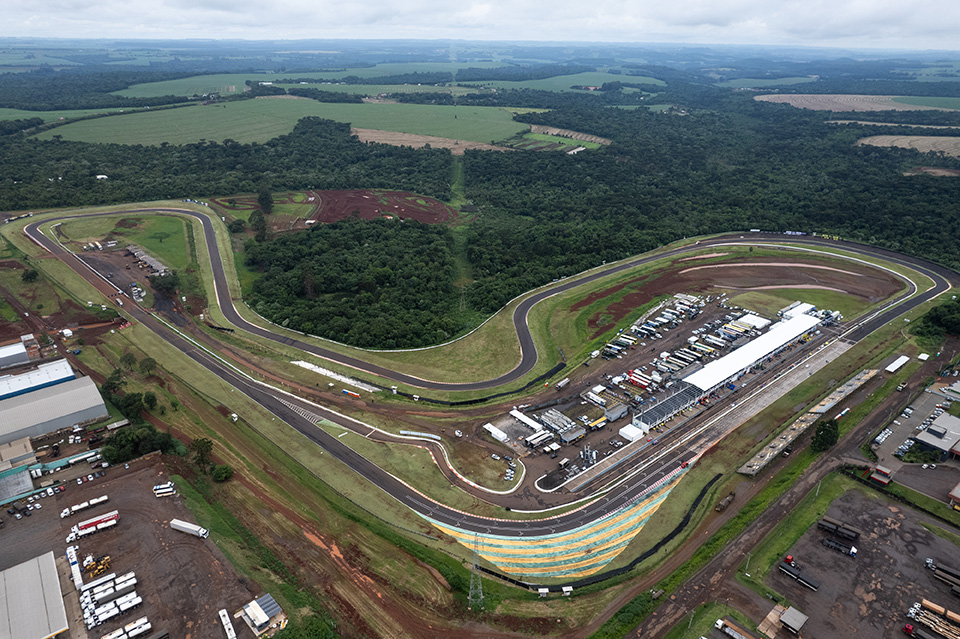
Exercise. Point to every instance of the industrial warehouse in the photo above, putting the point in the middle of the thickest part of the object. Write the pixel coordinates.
(31, 602)
(45, 400)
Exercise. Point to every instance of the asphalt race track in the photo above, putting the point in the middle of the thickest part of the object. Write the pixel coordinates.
(303, 416)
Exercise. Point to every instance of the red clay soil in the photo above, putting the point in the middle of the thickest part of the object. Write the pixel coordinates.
(858, 280)
(333, 206)
(370, 205)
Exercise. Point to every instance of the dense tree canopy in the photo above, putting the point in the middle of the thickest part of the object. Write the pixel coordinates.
(384, 284)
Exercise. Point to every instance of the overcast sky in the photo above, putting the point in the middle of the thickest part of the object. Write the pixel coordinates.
(906, 24)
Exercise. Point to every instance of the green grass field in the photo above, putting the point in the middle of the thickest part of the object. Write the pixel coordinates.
(262, 119)
(769, 302)
(564, 82)
(750, 83)
(162, 236)
(50, 116)
(377, 89)
(940, 103)
(233, 83)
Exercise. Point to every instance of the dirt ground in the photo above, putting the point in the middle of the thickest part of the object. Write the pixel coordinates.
(183, 580)
(867, 595)
(836, 102)
(565, 133)
(923, 143)
(746, 274)
(369, 205)
(934, 170)
(457, 147)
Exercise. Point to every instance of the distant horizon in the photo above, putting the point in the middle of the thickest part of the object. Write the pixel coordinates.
(24, 40)
(879, 25)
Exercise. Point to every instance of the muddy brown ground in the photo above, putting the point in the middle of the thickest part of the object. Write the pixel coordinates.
(867, 595)
(743, 274)
(183, 580)
(333, 206)
(457, 147)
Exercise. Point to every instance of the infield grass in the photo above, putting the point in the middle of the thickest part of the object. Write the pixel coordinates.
(262, 119)
(163, 236)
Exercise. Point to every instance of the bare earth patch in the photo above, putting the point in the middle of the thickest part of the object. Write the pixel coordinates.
(792, 286)
(924, 143)
(912, 126)
(835, 102)
(457, 147)
(934, 170)
(566, 133)
(768, 265)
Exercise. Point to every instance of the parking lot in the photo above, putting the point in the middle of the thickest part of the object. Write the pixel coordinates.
(922, 410)
(867, 595)
(611, 371)
(183, 580)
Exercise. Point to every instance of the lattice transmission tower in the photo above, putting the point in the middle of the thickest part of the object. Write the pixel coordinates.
(476, 586)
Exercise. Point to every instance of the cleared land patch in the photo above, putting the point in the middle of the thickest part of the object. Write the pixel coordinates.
(566, 133)
(332, 206)
(913, 126)
(924, 143)
(844, 102)
(263, 119)
(457, 147)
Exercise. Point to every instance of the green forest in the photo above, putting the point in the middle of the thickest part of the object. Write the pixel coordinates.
(381, 283)
(716, 160)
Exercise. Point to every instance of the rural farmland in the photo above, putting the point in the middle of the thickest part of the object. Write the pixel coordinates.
(845, 102)
(231, 83)
(264, 118)
(924, 143)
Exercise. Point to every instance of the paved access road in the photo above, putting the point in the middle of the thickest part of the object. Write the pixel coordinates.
(303, 415)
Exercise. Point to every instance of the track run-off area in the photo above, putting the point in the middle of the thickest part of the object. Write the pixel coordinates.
(621, 504)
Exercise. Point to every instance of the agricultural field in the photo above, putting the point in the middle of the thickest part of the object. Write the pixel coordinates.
(50, 116)
(266, 118)
(233, 83)
(564, 82)
(457, 147)
(845, 102)
(935, 103)
(914, 126)
(377, 89)
(759, 83)
(924, 143)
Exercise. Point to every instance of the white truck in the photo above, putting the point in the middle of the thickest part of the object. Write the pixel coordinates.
(190, 529)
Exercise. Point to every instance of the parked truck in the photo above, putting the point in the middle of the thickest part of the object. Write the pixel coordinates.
(725, 502)
(839, 546)
(190, 529)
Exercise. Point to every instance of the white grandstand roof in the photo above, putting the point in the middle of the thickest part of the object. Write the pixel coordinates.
(31, 602)
(44, 374)
(46, 404)
(779, 335)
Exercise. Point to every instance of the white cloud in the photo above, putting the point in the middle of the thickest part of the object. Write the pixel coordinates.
(858, 23)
